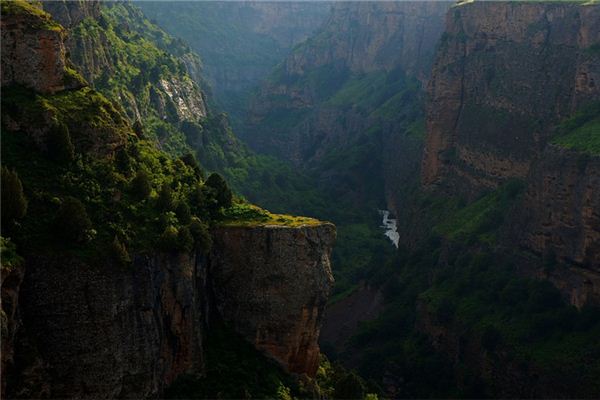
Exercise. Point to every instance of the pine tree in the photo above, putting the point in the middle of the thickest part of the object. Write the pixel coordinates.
(165, 198)
(140, 185)
(60, 147)
(72, 221)
(14, 204)
(183, 212)
(223, 194)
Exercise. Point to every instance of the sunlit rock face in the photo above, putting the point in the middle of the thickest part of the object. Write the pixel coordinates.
(271, 284)
(33, 42)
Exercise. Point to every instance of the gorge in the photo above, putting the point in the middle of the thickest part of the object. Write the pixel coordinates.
(141, 141)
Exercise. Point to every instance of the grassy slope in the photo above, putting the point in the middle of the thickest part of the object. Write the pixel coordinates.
(581, 132)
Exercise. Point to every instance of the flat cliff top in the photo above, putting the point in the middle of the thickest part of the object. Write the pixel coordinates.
(39, 19)
(249, 215)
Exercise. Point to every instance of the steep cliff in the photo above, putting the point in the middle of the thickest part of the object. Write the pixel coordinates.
(504, 75)
(272, 283)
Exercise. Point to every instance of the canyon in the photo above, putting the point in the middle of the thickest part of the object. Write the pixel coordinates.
(474, 123)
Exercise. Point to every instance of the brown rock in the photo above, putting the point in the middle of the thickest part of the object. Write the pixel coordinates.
(271, 284)
(31, 41)
(505, 73)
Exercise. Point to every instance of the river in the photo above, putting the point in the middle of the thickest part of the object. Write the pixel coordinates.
(389, 226)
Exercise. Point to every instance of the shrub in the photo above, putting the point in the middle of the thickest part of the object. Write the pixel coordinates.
(119, 252)
(72, 221)
(168, 239)
(14, 204)
(140, 185)
(183, 213)
(350, 386)
(60, 147)
(165, 198)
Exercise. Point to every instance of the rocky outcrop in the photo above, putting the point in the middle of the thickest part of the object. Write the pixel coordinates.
(504, 74)
(107, 332)
(271, 284)
(71, 13)
(32, 41)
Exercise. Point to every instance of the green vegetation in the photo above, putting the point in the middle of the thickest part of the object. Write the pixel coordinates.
(39, 18)
(14, 203)
(102, 203)
(8, 254)
(72, 222)
(457, 281)
(59, 146)
(245, 214)
(479, 219)
(581, 132)
(141, 56)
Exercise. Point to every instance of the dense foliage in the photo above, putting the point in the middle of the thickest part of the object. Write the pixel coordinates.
(93, 202)
(458, 284)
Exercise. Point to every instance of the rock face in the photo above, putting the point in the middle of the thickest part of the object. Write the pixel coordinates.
(71, 13)
(271, 284)
(31, 41)
(562, 207)
(504, 74)
(103, 332)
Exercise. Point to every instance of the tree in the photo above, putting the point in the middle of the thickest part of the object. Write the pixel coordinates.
(140, 185)
(183, 212)
(189, 160)
(14, 203)
(350, 386)
(165, 198)
(60, 147)
(72, 221)
(222, 192)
